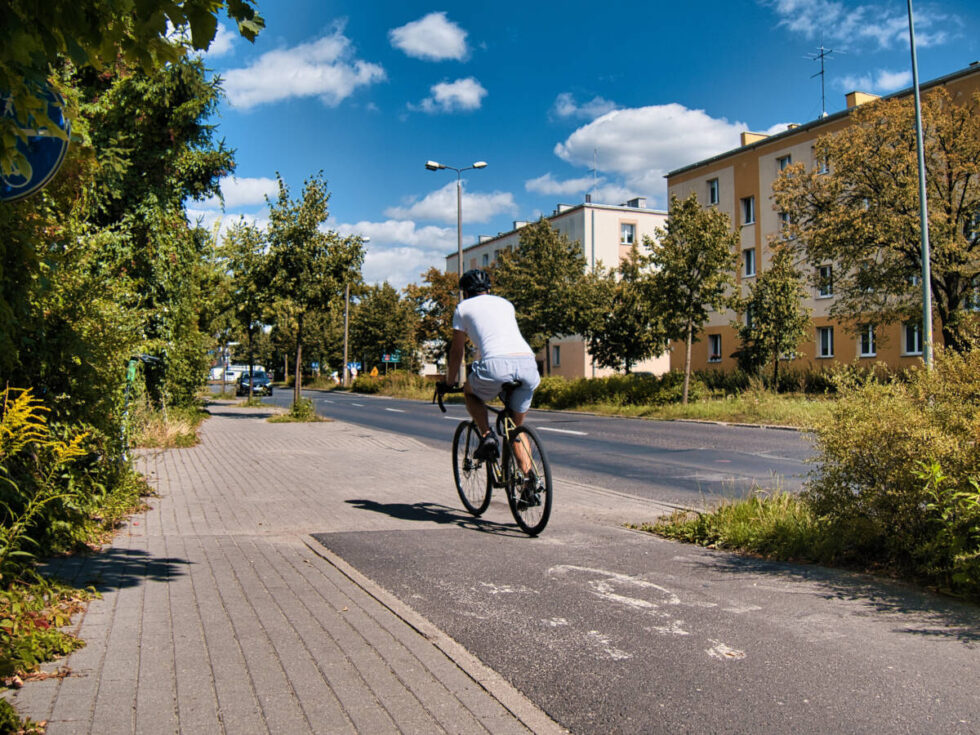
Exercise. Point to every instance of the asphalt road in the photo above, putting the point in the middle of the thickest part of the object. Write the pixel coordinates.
(615, 631)
(679, 463)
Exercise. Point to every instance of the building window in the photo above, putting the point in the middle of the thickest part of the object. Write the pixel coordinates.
(868, 341)
(496, 255)
(748, 211)
(486, 259)
(912, 339)
(825, 341)
(784, 220)
(783, 162)
(825, 282)
(973, 295)
(555, 355)
(748, 261)
(713, 191)
(627, 233)
(714, 348)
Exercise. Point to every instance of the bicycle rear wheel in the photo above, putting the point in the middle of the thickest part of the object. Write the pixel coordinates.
(472, 475)
(529, 493)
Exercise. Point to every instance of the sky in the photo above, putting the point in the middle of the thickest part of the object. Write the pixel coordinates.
(559, 99)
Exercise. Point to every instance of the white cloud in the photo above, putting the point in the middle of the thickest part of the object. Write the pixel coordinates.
(219, 222)
(642, 144)
(440, 205)
(243, 192)
(547, 184)
(433, 38)
(399, 250)
(463, 94)
(400, 265)
(881, 81)
(777, 128)
(565, 106)
(835, 22)
(325, 68)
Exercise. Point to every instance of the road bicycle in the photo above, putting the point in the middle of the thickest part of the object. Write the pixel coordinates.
(521, 469)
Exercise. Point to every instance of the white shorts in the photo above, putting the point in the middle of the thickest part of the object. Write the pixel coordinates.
(488, 376)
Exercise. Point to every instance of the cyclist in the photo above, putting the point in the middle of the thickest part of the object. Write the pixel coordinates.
(504, 357)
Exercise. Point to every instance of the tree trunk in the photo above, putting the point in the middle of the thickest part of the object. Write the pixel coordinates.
(687, 360)
(547, 357)
(298, 384)
(775, 374)
(251, 366)
(285, 367)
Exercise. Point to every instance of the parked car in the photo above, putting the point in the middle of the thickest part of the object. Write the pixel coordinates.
(261, 385)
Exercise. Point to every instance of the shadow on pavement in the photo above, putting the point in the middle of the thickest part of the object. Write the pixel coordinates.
(116, 568)
(915, 611)
(434, 513)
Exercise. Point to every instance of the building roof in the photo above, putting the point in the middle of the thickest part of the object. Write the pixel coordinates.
(561, 211)
(973, 68)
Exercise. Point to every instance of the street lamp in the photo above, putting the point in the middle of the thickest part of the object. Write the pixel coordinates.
(346, 371)
(434, 166)
(923, 210)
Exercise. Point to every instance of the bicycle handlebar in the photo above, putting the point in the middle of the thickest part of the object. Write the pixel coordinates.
(441, 390)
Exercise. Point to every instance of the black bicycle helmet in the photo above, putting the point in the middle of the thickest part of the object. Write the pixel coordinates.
(474, 281)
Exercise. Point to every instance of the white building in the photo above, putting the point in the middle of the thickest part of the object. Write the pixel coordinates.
(606, 233)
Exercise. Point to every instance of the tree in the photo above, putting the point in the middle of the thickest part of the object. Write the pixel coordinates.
(383, 323)
(543, 278)
(619, 320)
(434, 301)
(776, 320)
(308, 266)
(99, 36)
(863, 215)
(694, 260)
(244, 252)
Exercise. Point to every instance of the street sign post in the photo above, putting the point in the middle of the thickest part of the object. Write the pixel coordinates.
(44, 150)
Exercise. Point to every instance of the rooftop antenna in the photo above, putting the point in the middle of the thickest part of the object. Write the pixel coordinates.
(822, 53)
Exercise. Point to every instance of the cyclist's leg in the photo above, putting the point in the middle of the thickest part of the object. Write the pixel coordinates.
(526, 372)
(476, 408)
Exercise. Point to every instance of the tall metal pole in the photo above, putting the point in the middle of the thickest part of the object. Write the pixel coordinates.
(459, 229)
(346, 313)
(923, 206)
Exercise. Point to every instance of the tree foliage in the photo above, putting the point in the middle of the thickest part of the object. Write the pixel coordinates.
(619, 319)
(244, 256)
(863, 215)
(434, 301)
(694, 260)
(383, 323)
(543, 277)
(96, 35)
(308, 266)
(777, 321)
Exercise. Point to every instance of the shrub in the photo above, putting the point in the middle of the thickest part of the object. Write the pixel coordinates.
(366, 384)
(619, 390)
(872, 486)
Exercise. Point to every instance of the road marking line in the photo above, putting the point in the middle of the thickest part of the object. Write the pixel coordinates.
(562, 431)
(394, 410)
(361, 405)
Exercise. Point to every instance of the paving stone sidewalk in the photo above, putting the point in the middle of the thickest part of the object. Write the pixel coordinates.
(220, 615)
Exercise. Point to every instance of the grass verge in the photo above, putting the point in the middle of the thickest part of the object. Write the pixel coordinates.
(174, 429)
(301, 412)
(751, 408)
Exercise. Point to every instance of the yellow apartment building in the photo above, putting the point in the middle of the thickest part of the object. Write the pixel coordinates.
(606, 232)
(739, 183)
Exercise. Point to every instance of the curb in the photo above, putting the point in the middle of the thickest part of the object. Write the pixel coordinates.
(513, 700)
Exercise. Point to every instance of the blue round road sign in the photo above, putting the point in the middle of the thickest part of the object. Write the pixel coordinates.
(45, 153)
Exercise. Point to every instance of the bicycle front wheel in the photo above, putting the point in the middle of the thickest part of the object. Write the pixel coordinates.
(529, 490)
(472, 475)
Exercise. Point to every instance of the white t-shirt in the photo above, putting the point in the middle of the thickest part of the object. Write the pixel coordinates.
(490, 322)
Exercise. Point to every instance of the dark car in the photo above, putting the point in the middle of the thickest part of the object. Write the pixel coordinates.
(261, 385)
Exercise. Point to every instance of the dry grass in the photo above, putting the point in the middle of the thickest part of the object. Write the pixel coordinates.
(177, 428)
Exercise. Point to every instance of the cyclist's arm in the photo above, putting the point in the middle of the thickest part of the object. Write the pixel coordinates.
(455, 356)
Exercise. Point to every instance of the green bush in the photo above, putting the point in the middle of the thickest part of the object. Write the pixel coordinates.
(366, 384)
(618, 390)
(897, 471)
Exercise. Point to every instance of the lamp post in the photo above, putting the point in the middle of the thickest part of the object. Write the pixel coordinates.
(435, 166)
(346, 371)
(923, 209)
